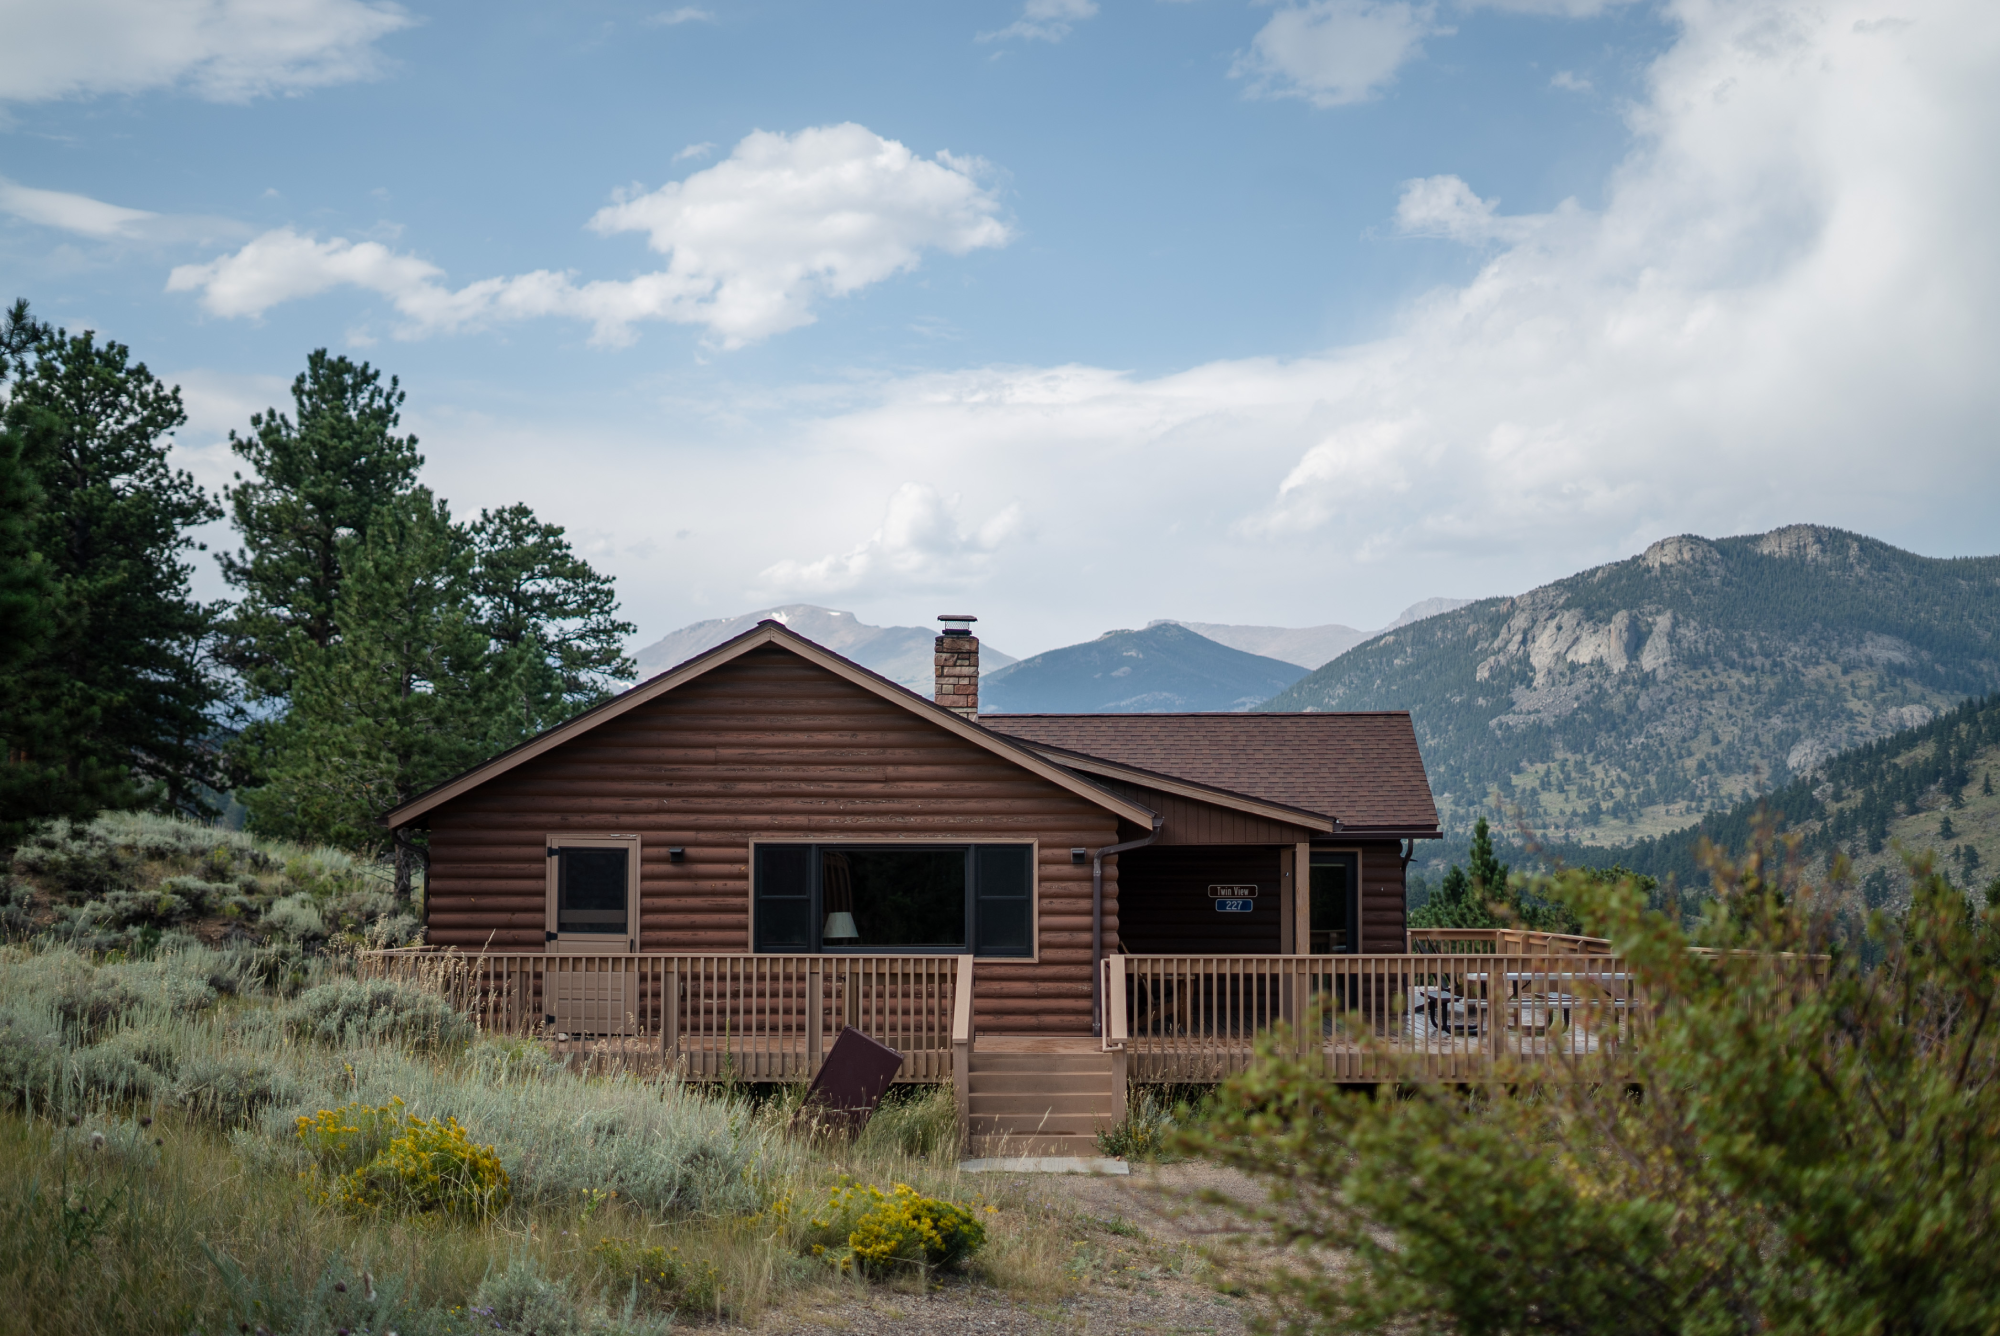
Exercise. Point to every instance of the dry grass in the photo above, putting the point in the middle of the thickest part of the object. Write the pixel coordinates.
(213, 1227)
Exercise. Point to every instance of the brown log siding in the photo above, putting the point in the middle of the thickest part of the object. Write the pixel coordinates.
(769, 746)
(1384, 925)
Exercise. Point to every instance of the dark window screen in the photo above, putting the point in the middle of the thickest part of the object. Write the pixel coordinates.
(784, 897)
(907, 897)
(1332, 908)
(1006, 909)
(591, 890)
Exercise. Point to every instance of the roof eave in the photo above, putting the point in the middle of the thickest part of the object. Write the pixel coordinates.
(1184, 788)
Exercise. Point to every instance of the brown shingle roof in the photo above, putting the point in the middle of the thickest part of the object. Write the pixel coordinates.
(1360, 769)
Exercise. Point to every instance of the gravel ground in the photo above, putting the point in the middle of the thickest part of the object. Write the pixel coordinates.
(1142, 1252)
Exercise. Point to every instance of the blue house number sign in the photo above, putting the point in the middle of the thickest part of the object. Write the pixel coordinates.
(1233, 899)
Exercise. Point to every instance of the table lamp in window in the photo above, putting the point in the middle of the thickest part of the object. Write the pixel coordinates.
(838, 884)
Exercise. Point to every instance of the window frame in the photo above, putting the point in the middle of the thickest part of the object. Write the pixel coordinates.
(592, 943)
(817, 910)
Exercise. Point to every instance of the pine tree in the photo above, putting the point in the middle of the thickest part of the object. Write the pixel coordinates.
(25, 586)
(549, 613)
(407, 692)
(318, 478)
(112, 709)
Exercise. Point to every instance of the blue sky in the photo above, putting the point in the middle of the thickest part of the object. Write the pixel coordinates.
(1076, 314)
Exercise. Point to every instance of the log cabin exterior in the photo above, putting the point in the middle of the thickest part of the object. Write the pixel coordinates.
(742, 802)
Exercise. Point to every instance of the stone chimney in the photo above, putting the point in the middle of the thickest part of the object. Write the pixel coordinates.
(957, 662)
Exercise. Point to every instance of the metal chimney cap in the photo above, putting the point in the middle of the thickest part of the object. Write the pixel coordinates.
(957, 623)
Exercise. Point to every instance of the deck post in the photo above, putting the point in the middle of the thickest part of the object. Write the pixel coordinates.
(670, 1015)
(815, 1017)
(961, 1047)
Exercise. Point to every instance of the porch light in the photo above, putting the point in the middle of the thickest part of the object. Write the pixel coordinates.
(840, 927)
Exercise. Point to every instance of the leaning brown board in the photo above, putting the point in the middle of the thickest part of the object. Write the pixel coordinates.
(850, 1083)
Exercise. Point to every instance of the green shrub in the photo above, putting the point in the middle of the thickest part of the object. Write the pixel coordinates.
(1145, 1132)
(32, 1057)
(521, 1300)
(1789, 1150)
(350, 1011)
(659, 1279)
(17, 906)
(424, 1166)
(230, 1090)
(866, 1229)
(105, 1074)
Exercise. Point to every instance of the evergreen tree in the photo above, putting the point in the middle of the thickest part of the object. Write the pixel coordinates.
(319, 477)
(25, 614)
(407, 692)
(549, 614)
(111, 709)
(1465, 900)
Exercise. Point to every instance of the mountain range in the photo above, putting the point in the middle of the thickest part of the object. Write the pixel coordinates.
(1308, 646)
(1165, 667)
(1628, 700)
(900, 653)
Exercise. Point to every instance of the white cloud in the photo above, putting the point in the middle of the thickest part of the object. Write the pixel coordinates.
(685, 14)
(1045, 20)
(1445, 206)
(1570, 80)
(1565, 9)
(694, 151)
(754, 243)
(1334, 52)
(223, 50)
(919, 545)
(282, 266)
(71, 213)
(100, 221)
(1787, 307)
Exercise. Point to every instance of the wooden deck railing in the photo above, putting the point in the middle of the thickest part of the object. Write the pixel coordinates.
(1425, 1016)
(1503, 941)
(746, 1017)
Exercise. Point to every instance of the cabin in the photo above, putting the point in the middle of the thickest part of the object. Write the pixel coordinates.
(734, 860)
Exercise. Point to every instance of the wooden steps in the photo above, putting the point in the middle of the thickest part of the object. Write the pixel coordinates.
(1039, 1103)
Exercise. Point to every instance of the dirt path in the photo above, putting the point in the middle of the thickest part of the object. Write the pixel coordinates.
(1140, 1262)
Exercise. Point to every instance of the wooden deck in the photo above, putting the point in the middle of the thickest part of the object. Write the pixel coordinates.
(1458, 1006)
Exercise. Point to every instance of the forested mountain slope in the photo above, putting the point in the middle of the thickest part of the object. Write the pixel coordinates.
(1929, 789)
(1628, 700)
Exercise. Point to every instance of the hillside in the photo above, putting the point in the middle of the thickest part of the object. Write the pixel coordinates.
(1163, 668)
(900, 653)
(1929, 789)
(1307, 646)
(1628, 700)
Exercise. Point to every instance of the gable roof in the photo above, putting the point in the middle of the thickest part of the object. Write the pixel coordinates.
(1362, 770)
(771, 633)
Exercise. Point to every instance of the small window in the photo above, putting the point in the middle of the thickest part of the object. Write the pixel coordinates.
(895, 898)
(593, 893)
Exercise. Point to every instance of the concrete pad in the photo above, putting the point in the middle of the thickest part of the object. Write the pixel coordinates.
(1045, 1164)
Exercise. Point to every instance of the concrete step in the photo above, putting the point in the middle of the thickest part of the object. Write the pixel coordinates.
(1052, 1064)
(1098, 1101)
(989, 1146)
(1040, 1083)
